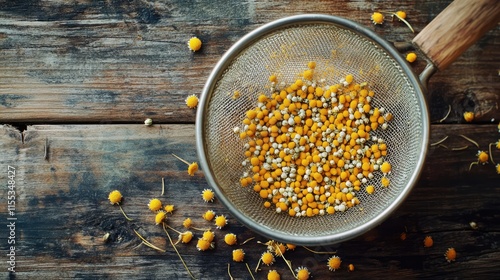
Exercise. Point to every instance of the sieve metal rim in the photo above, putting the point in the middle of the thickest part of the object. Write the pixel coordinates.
(247, 41)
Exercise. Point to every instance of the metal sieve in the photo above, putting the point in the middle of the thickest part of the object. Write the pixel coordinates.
(284, 47)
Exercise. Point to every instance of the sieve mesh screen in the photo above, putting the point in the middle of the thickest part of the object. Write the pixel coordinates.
(285, 52)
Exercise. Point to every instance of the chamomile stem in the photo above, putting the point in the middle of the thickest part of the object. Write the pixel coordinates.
(125, 215)
(460, 148)
(178, 254)
(258, 264)
(229, 271)
(472, 163)
(439, 142)
(403, 20)
(250, 271)
(172, 228)
(320, 253)
(447, 114)
(288, 263)
(162, 185)
(470, 140)
(246, 241)
(491, 155)
(181, 159)
(147, 243)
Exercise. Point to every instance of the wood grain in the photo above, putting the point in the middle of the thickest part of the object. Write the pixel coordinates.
(122, 61)
(63, 211)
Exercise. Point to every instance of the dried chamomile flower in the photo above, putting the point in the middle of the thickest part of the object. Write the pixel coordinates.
(291, 247)
(385, 181)
(350, 267)
(154, 204)
(450, 254)
(160, 217)
(377, 18)
(208, 235)
(187, 223)
(238, 255)
(186, 236)
(115, 197)
(192, 101)
(169, 208)
(411, 57)
(482, 157)
(469, 116)
(220, 221)
(428, 242)
(302, 273)
(267, 258)
(209, 215)
(192, 167)
(203, 245)
(370, 189)
(194, 44)
(273, 275)
(279, 249)
(230, 239)
(334, 263)
(401, 14)
(208, 195)
(148, 122)
(497, 167)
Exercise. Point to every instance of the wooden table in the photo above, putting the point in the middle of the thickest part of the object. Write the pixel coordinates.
(77, 81)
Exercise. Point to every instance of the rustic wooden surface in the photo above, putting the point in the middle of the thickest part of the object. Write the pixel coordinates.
(77, 79)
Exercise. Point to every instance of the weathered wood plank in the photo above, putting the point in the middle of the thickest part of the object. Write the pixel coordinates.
(124, 61)
(63, 211)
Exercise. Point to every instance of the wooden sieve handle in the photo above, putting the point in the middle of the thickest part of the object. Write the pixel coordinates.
(456, 28)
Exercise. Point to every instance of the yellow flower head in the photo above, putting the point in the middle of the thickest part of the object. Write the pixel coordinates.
(302, 273)
(377, 18)
(411, 57)
(279, 249)
(169, 208)
(450, 254)
(186, 237)
(385, 181)
(291, 246)
(194, 44)
(115, 197)
(160, 217)
(230, 239)
(273, 275)
(192, 101)
(401, 14)
(192, 168)
(482, 157)
(238, 255)
(498, 168)
(350, 267)
(469, 116)
(428, 242)
(208, 235)
(334, 263)
(208, 195)
(154, 204)
(187, 223)
(209, 215)
(220, 221)
(203, 244)
(267, 258)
